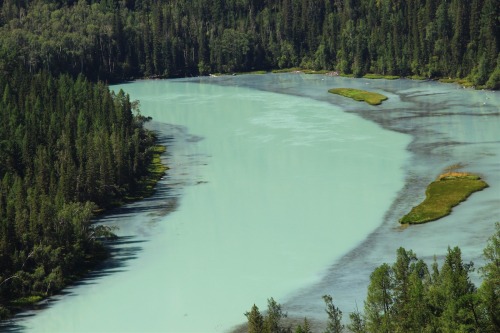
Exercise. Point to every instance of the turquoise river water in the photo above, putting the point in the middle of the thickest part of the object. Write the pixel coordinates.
(279, 189)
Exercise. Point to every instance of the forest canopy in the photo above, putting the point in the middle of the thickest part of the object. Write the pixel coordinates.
(68, 147)
(122, 39)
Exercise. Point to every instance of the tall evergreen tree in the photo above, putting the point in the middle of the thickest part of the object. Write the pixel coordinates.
(379, 301)
(490, 287)
(334, 324)
(255, 320)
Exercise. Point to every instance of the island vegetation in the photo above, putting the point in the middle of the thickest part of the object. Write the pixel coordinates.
(409, 296)
(360, 95)
(442, 195)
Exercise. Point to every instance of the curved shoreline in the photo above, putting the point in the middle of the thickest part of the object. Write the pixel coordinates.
(94, 264)
(361, 258)
(365, 253)
(290, 119)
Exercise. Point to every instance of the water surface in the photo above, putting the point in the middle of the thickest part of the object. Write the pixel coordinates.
(280, 189)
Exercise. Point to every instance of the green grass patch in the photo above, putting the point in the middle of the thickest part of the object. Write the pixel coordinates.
(322, 71)
(346, 75)
(466, 83)
(251, 72)
(360, 95)
(300, 70)
(287, 70)
(442, 195)
(463, 82)
(417, 77)
(380, 76)
(448, 80)
(28, 300)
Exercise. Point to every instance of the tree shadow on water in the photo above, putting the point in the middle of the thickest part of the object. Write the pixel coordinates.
(121, 252)
(124, 249)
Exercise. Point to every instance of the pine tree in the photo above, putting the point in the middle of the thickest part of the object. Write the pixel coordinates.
(379, 301)
(403, 269)
(272, 320)
(460, 312)
(357, 322)
(255, 320)
(490, 287)
(334, 324)
(304, 328)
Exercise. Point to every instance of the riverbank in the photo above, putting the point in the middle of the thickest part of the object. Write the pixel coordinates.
(447, 124)
(217, 225)
(463, 82)
(270, 145)
(155, 171)
(145, 187)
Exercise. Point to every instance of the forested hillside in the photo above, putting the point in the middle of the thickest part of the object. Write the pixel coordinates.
(67, 148)
(114, 40)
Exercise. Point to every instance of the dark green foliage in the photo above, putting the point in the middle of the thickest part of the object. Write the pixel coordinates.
(490, 288)
(379, 301)
(408, 298)
(459, 311)
(255, 320)
(270, 323)
(304, 328)
(357, 323)
(334, 324)
(115, 40)
(67, 148)
(273, 318)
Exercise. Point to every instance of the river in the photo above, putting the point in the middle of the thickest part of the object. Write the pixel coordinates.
(279, 189)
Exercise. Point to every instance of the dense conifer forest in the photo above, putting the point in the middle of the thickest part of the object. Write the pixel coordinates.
(69, 147)
(121, 39)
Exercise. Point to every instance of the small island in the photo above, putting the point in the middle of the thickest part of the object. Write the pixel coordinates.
(450, 189)
(360, 95)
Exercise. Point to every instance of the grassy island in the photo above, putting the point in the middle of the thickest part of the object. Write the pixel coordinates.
(442, 195)
(360, 95)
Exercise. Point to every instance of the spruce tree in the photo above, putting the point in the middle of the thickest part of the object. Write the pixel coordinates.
(255, 320)
(334, 324)
(379, 301)
(490, 287)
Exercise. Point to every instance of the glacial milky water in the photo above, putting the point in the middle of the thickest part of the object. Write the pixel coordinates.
(279, 189)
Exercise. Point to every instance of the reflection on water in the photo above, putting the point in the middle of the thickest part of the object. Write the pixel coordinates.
(287, 191)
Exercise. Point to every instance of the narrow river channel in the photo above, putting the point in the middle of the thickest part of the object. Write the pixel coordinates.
(279, 189)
